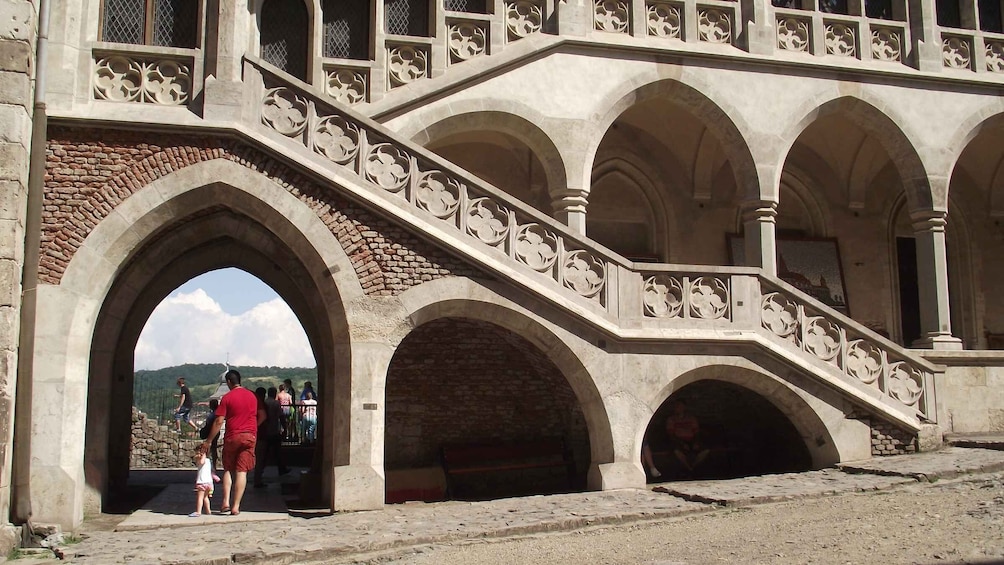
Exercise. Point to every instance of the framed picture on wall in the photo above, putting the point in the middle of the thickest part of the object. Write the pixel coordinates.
(811, 265)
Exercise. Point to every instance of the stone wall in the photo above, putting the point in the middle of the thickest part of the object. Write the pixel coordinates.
(18, 21)
(155, 446)
(887, 439)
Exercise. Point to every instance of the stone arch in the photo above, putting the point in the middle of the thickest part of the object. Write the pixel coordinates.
(987, 119)
(866, 115)
(639, 174)
(69, 311)
(514, 120)
(465, 298)
(819, 440)
(716, 116)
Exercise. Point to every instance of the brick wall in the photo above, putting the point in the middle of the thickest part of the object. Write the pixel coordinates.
(91, 171)
(464, 381)
(887, 439)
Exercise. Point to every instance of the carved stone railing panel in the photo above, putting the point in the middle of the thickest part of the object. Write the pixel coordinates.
(665, 19)
(956, 51)
(841, 38)
(714, 25)
(994, 55)
(347, 85)
(793, 32)
(887, 43)
(123, 77)
(613, 16)
(406, 63)
(523, 18)
(696, 297)
(466, 39)
(862, 359)
(396, 170)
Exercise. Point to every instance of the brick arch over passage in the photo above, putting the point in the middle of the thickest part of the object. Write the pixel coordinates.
(457, 381)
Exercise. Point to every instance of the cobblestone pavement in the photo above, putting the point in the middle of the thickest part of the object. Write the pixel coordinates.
(301, 539)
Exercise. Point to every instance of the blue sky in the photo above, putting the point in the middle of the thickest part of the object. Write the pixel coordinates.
(221, 315)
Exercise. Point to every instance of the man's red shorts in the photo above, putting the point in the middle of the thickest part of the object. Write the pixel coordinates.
(238, 452)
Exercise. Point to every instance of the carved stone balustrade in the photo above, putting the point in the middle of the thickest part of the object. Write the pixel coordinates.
(147, 75)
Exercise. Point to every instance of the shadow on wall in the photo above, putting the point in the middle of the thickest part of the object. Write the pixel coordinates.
(739, 434)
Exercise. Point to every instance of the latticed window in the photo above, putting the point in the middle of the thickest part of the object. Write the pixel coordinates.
(881, 9)
(949, 14)
(470, 6)
(407, 17)
(346, 29)
(990, 16)
(285, 27)
(166, 23)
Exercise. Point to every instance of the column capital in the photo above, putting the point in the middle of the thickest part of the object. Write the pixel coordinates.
(929, 221)
(569, 205)
(763, 211)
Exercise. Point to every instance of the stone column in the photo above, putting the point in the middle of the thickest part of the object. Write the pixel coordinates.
(570, 208)
(932, 281)
(759, 229)
(18, 28)
(228, 25)
(924, 34)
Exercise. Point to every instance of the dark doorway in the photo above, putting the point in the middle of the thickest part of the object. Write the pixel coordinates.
(909, 292)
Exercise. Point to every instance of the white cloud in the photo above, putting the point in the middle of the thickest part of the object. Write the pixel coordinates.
(193, 328)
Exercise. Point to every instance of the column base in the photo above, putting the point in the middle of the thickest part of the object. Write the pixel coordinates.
(357, 487)
(939, 342)
(610, 476)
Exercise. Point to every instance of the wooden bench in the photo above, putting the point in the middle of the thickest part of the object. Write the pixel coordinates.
(471, 459)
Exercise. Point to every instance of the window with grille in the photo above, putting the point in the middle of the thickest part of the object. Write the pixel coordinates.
(407, 17)
(285, 27)
(165, 23)
(990, 16)
(949, 14)
(470, 6)
(880, 9)
(346, 29)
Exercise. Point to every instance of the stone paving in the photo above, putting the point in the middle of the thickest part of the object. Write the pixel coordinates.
(220, 540)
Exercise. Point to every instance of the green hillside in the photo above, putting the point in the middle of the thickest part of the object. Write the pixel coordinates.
(153, 391)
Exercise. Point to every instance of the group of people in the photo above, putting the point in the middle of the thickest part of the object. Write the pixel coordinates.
(256, 423)
(299, 417)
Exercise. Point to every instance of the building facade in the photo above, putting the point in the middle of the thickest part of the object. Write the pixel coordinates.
(503, 220)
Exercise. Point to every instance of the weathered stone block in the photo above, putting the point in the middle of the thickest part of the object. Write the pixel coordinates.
(15, 56)
(17, 20)
(13, 202)
(15, 124)
(13, 162)
(15, 89)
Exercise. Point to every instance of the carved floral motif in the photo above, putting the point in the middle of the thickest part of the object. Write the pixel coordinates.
(123, 79)
(714, 26)
(467, 40)
(487, 220)
(906, 383)
(955, 52)
(779, 315)
(611, 16)
(864, 361)
(841, 39)
(583, 273)
(347, 86)
(284, 111)
(792, 34)
(664, 20)
(822, 338)
(663, 297)
(536, 246)
(522, 18)
(438, 193)
(709, 298)
(995, 56)
(388, 167)
(337, 139)
(408, 63)
(887, 44)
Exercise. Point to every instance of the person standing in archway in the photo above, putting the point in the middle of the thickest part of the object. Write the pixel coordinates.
(239, 409)
(184, 410)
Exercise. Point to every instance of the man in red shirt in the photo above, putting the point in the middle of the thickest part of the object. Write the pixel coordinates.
(239, 408)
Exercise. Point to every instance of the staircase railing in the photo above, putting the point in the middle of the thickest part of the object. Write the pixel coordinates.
(627, 300)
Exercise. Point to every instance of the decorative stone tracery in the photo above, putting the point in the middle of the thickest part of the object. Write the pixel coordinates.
(714, 26)
(406, 64)
(467, 40)
(792, 34)
(664, 20)
(348, 86)
(523, 18)
(956, 52)
(284, 111)
(841, 39)
(887, 44)
(611, 16)
(995, 56)
(121, 78)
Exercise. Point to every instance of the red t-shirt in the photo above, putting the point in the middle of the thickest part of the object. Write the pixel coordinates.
(240, 409)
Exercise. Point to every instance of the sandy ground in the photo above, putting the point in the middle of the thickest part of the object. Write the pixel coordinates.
(960, 521)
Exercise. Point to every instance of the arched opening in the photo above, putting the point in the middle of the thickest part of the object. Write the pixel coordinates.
(347, 29)
(621, 217)
(226, 318)
(283, 40)
(458, 386)
(716, 429)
